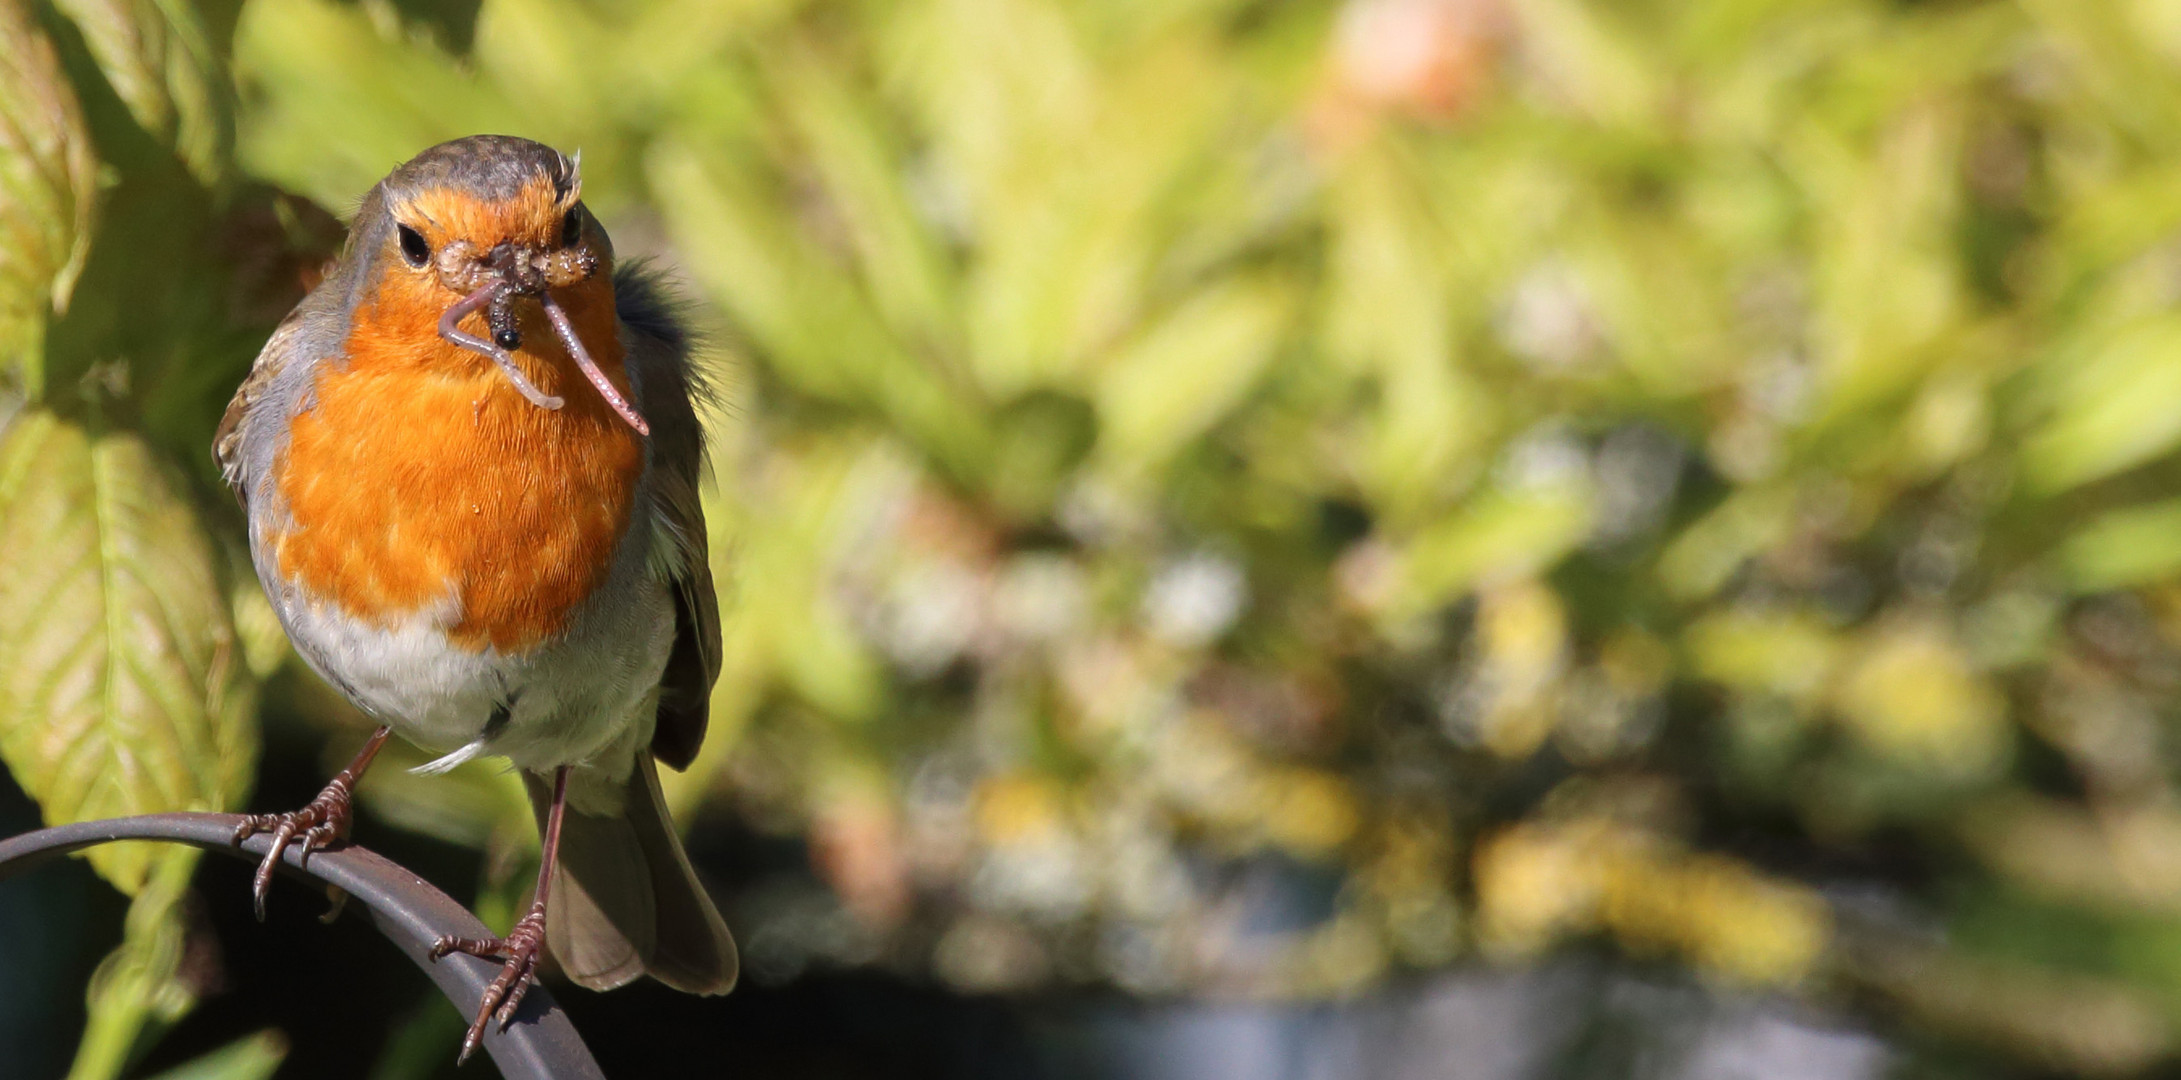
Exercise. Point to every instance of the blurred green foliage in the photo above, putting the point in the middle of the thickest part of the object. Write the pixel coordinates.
(1661, 473)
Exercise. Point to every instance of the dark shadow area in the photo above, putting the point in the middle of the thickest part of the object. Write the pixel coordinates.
(54, 926)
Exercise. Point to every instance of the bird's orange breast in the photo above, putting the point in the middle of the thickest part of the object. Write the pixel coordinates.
(415, 474)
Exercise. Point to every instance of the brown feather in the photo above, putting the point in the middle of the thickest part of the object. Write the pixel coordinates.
(625, 901)
(271, 360)
(668, 387)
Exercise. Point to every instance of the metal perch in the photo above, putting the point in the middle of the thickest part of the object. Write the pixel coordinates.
(539, 1045)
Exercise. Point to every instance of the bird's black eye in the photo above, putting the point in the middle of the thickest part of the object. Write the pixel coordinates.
(571, 228)
(413, 247)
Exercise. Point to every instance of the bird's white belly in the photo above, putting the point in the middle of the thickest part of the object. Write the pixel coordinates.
(566, 703)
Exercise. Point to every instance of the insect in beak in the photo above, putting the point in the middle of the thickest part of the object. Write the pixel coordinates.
(493, 293)
(497, 298)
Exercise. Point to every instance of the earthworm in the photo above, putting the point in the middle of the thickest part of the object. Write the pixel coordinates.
(450, 329)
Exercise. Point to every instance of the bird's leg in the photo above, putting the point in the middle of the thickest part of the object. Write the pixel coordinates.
(319, 825)
(524, 942)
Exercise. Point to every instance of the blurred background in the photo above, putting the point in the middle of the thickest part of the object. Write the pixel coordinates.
(1259, 538)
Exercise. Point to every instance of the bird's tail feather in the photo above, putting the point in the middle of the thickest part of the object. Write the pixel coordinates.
(625, 902)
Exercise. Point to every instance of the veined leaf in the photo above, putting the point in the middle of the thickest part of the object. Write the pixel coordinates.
(47, 176)
(161, 63)
(123, 689)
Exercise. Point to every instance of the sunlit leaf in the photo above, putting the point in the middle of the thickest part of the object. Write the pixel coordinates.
(469, 805)
(122, 686)
(548, 48)
(815, 329)
(899, 256)
(257, 627)
(1390, 312)
(2108, 55)
(1791, 655)
(343, 104)
(161, 61)
(2111, 406)
(1911, 695)
(2131, 546)
(1888, 286)
(47, 192)
(1701, 559)
(777, 540)
(1500, 535)
(1187, 370)
(1590, 60)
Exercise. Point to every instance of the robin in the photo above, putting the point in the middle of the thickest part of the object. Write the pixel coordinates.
(469, 464)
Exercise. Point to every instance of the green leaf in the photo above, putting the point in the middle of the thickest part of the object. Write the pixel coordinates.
(1592, 61)
(2135, 546)
(1391, 312)
(1499, 536)
(467, 806)
(47, 181)
(2133, 83)
(161, 62)
(257, 627)
(782, 532)
(548, 48)
(1790, 654)
(902, 264)
(122, 686)
(1188, 371)
(136, 986)
(252, 1057)
(1886, 287)
(337, 103)
(811, 324)
(1707, 553)
(2113, 406)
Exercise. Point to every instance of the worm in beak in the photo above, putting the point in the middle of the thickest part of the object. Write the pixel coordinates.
(497, 295)
(566, 332)
(450, 328)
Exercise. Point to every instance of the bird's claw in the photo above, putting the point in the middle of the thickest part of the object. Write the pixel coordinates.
(519, 952)
(317, 826)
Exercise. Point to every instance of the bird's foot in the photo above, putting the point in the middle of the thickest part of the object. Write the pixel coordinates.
(519, 952)
(316, 827)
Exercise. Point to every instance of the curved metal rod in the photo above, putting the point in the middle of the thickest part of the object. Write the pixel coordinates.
(540, 1044)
